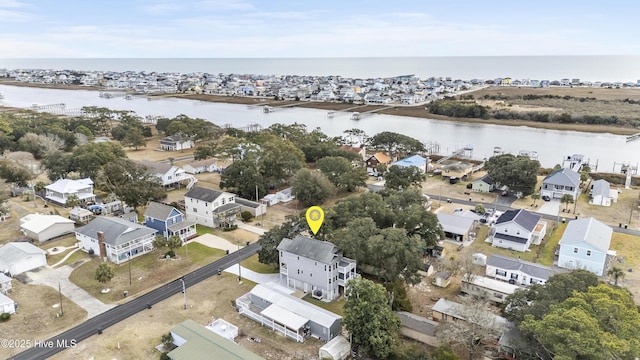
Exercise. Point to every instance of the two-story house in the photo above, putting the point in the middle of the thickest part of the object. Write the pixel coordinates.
(169, 175)
(484, 184)
(415, 160)
(168, 221)
(117, 239)
(315, 266)
(517, 229)
(585, 245)
(375, 159)
(601, 194)
(211, 208)
(60, 191)
(517, 271)
(560, 182)
(176, 142)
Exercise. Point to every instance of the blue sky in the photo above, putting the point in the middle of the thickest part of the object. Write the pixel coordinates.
(326, 28)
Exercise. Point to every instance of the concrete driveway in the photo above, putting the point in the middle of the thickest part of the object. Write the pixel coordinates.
(52, 277)
(550, 207)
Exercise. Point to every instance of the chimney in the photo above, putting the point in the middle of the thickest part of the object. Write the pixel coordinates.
(103, 249)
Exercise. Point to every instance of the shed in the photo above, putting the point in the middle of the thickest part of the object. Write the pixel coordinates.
(336, 349)
(271, 199)
(442, 279)
(479, 259)
(255, 208)
(7, 305)
(223, 328)
(19, 257)
(45, 227)
(80, 215)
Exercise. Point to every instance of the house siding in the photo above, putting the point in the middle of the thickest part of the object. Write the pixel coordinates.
(201, 211)
(301, 271)
(513, 229)
(568, 259)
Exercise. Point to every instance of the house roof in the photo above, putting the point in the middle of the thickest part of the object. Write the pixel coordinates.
(600, 187)
(204, 194)
(117, 231)
(417, 323)
(249, 203)
(492, 284)
(564, 177)
(175, 138)
(157, 167)
(284, 316)
(181, 225)
(521, 217)
(225, 207)
(203, 343)
(293, 304)
(352, 149)
(14, 252)
(4, 299)
(458, 310)
(455, 224)
(4, 278)
(286, 191)
(485, 179)
(382, 157)
(38, 222)
(531, 269)
(204, 162)
(507, 237)
(415, 160)
(322, 251)
(69, 186)
(587, 231)
(336, 346)
(160, 211)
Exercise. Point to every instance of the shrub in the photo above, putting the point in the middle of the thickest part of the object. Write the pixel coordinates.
(230, 228)
(5, 317)
(170, 254)
(246, 216)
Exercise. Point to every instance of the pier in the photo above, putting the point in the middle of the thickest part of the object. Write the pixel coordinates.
(633, 137)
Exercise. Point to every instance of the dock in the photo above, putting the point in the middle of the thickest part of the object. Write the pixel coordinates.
(633, 137)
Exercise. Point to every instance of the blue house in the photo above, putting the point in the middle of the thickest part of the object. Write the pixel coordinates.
(415, 160)
(585, 245)
(168, 221)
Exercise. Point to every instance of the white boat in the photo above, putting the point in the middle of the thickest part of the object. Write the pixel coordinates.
(355, 116)
(266, 109)
(330, 114)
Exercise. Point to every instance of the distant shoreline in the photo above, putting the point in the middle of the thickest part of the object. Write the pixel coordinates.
(404, 110)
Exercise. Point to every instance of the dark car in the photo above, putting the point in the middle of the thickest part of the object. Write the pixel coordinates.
(546, 198)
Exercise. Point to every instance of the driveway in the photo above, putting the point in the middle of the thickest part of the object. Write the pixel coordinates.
(60, 276)
(250, 228)
(550, 207)
(256, 277)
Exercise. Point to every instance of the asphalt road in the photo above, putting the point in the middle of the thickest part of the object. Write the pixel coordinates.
(98, 323)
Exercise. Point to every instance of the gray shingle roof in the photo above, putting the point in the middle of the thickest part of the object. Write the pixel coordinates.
(521, 217)
(564, 177)
(225, 207)
(589, 231)
(600, 187)
(116, 231)
(485, 179)
(417, 323)
(322, 251)
(203, 194)
(532, 269)
(248, 203)
(157, 210)
(156, 167)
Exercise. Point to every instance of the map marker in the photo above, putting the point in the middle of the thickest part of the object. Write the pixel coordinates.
(315, 217)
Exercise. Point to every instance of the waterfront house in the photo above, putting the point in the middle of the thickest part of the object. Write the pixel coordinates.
(561, 182)
(585, 245)
(176, 142)
(517, 229)
(116, 239)
(484, 184)
(274, 307)
(169, 175)
(168, 221)
(456, 169)
(601, 194)
(360, 151)
(19, 257)
(41, 227)
(517, 271)
(415, 161)
(315, 266)
(375, 159)
(211, 208)
(60, 191)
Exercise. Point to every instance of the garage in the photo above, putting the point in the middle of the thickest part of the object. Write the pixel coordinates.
(19, 257)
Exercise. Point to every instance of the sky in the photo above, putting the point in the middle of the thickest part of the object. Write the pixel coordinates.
(326, 28)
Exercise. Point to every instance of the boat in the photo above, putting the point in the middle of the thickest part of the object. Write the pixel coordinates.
(355, 116)
(330, 114)
(128, 97)
(266, 109)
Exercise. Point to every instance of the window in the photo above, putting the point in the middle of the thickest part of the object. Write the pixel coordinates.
(298, 271)
(310, 274)
(588, 252)
(575, 250)
(501, 272)
(195, 210)
(506, 230)
(514, 276)
(223, 201)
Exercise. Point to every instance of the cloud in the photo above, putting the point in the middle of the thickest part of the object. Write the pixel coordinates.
(12, 4)
(163, 7)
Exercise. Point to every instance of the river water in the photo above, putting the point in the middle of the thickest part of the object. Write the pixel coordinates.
(552, 146)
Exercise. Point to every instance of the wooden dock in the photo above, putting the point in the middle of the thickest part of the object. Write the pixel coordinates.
(633, 137)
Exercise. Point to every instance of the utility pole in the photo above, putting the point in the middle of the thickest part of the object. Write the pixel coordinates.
(60, 292)
(239, 266)
(184, 291)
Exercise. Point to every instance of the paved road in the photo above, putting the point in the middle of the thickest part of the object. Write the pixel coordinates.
(100, 322)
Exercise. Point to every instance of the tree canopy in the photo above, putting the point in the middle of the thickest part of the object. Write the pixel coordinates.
(341, 173)
(311, 187)
(519, 173)
(400, 177)
(396, 144)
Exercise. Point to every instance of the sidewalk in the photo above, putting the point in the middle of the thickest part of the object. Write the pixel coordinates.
(253, 276)
(54, 277)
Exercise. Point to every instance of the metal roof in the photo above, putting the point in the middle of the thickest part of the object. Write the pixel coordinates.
(14, 252)
(588, 231)
(532, 269)
(39, 222)
(318, 250)
(69, 186)
(116, 231)
(454, 224)
(521, 217)
(285, 317)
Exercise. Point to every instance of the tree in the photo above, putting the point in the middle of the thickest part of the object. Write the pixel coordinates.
(132, 182)
(269, 241)
(134, 138)
(205, 151)
(396, 144)
(519, 173)
(566, 199)
(479, 209)
(373, 327)
(311, 187)
(599, 323)
(616, 273)
(341, 173)
(534, 197)
(242, 177)
(72, 201)
(104, 273)
(167, 341)
(477, 327)
(172, 242)
(398, 177)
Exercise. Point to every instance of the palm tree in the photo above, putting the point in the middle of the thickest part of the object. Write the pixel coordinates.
(566, 199)
(616, 273)
(534, 197)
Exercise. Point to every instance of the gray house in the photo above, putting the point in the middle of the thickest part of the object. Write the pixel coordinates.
(315, 266)
(272, 306)
(560, 182)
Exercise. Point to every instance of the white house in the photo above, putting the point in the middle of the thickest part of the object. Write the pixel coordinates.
(61, 190)
(5, 284)
(491, 289)
(456, 227)
(601, 194)
(585, 245)
(517, 271)
(201, 166)
(211, 208)
(45, 227)
(117, 239)
(169, 175)
(176, 142)
(19, 257)
(285, 195)
(561, 182)
(7, 305)
(517, 229)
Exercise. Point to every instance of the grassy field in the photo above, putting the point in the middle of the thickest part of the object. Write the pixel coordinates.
(252, 263)
(336, 307)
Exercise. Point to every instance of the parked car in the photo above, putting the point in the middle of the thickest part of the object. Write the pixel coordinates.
(546, 198)
(504, 193)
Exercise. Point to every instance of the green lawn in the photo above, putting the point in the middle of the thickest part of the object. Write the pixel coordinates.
(201, 230)
(78, 255)
(252, 263)
(336, 307)
(547, 255)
